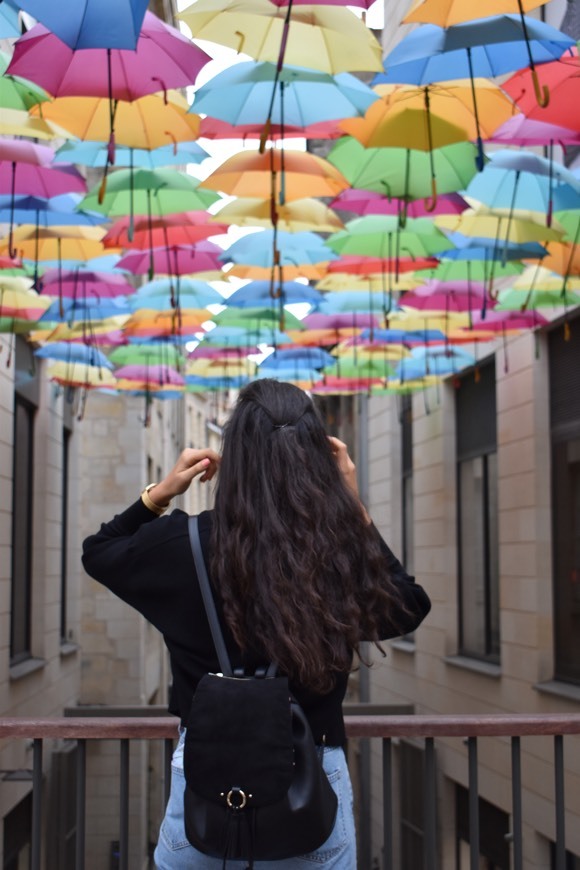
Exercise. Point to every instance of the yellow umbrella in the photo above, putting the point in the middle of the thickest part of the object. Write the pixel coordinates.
(486, 224)
(327, 38)
(148, 122)
(406, 128)
(293, 217)
(411, 321)
(540, 278)
(446, 13)
(80, 329)
(312, 271)
(77, 374)
(17, 122)
(340, 281)
(22, 303)
(344, 350)
(289, 174)
(58, 243)
(216, 368)
(445, 102)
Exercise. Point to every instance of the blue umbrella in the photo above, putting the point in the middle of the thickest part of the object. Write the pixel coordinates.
(440, 361)
(90, 23)
(164, 288)
(252, 294)
(56, 211)
(95, 154)
(294, 249)
(484, 48)
(309, 357)
(9, 21)
(402, 336)
(297, 96)
(237, 336)
(70, 351)
(216, 383)
(71, 310)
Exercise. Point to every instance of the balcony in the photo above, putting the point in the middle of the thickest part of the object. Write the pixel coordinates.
(469, 731)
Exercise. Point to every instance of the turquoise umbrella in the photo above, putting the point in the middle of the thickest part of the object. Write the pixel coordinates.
(94, 154)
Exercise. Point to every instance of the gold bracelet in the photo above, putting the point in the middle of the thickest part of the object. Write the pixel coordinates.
(150, 504)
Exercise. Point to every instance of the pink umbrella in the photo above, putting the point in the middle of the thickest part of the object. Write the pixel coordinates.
(340, 321)
(204, 351)
(23, 151)
(174, 260)
(333, 384)
(79, 284)
(364, 202)
(150, 375)
(163, 59)
(521, 130)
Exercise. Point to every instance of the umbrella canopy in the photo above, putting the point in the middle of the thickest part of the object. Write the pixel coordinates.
(297, 175)
(150, 122)
(296, 216)
(366, 202)
(211, 128)
(521, 130)
(80, 374)
(173, 260)
(257, 293)
(519, 300)
(15, 93)
(94, 154)
(245, 93)
(90, 23)
(181, 228)
(84, 284)
(291, 248)
(58, 210)
(373, 235)
(72, 352)
(321, 37)
(150, 353)
(163, 59)
(446, 13)
(156, 374)
(561, 78)
(9, 21)
(403, 172)
(57, 243)
(485, 224)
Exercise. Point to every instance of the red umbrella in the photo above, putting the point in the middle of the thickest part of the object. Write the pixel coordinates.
(174, 260)
(355, 265)
(562, 78)
(212, 128)
(180, 228)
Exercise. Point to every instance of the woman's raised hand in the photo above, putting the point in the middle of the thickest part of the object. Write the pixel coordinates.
(191, 463)
(347, 468)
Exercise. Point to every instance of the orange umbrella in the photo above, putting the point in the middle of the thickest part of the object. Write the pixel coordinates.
(563, 258)
(147, 323)
(312, 271)
(285, 174)
(446, 13)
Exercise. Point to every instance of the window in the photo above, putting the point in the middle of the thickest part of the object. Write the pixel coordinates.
(494, 830)
(17, 836)
(65, 473)
(406, 420)
(564, 359)
(572, 861)
(25, 404)
(475, 408)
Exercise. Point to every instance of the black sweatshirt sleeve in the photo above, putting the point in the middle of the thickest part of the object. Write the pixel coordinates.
(412, 604)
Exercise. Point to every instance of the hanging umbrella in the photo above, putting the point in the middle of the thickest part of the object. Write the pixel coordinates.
(290, 248)
(145, 124)
(286, 175)
(257, 293)
(21, 302)
(486, 224)
(94, 154)
(381, 236)
(84, 284)
(518, 300)
(17, 94)
(256, 93)
(365, 202)
(296, 216)
(90, 23)
(57, 243)
(188, 286)
(71, 352)
(60, 210)
(561, 77)
(9, 21)
(485, 48)
(173, 260)
(320, 37)
(148, 323)
(524, 131)
(256, 318)
(150, 353)
(156, 375)
(211, 128)
(80, 374)
(17, 122)
(446, 13)
(362, 265)
(163, 59)
(340, 282)
(311, 357)
(405, 172)
(181, 228)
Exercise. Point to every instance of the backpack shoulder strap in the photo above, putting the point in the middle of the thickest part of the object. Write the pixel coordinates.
(208, 601)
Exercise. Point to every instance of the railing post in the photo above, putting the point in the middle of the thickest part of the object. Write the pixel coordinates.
(124, 807)
(36, 804)
(473, 805)
(388, 803)
(81, 804)
(430, 840)
(167, 756)
(559, 800)
(517, 804)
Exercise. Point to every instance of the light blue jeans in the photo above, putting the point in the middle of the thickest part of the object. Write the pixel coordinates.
(174, 852)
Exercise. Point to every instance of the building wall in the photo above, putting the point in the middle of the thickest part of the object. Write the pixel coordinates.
(429, 673)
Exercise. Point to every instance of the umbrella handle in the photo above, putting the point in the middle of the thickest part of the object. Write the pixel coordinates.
(431, 203)
(264, 135)
(242, 40)
(542, 93)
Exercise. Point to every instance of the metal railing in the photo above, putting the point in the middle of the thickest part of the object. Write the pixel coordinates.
(387, 728)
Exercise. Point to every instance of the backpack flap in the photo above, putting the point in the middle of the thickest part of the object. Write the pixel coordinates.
(239, 744)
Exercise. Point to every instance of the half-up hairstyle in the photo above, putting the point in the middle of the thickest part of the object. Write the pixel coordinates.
(299, 569)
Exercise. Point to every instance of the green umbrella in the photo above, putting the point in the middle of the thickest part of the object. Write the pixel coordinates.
(149, 192)
(381, 236)
(523, 300)
(256, 318)
(471, 270)
(16, 93)
(403, 172)
(154, 353)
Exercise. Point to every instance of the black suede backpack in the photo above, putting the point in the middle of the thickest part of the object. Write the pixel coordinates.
(255, 786)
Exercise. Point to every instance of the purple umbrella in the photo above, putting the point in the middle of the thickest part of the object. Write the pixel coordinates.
(151, 375)
(521, 130)
(175, 260)
(365, 202)
(79, 284)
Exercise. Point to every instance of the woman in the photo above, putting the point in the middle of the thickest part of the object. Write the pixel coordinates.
(300, 576)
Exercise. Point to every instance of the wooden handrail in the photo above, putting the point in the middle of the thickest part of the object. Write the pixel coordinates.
(165, 727)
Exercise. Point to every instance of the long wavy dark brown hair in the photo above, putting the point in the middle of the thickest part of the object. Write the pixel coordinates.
(298, 567)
